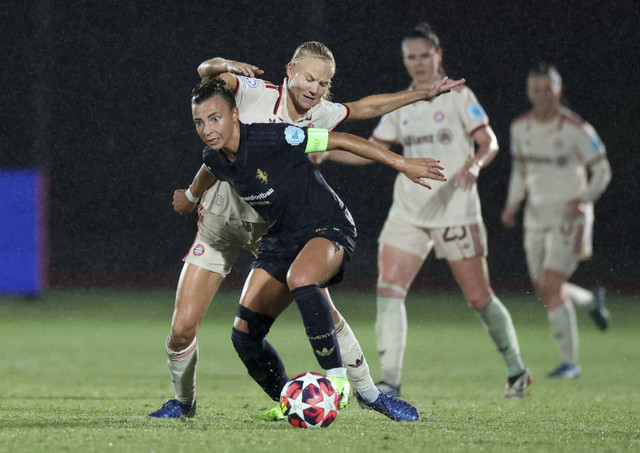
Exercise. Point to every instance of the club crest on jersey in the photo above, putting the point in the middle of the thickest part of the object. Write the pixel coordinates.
(293, 135)
(198, 250)
(475, 111)
(262, 176)
(249, 82)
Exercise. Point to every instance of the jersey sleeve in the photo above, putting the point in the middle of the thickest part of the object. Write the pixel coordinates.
(250, 91)
(387, 130)
(588, 144)
(329, 115)
(593, 153)
(470, 111)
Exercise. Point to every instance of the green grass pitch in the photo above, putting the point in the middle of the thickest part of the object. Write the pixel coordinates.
(80, 371)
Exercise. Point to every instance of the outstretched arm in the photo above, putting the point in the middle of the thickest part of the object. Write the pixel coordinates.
(415, 169)
(225, 69)
(380, 104)
(203, 180)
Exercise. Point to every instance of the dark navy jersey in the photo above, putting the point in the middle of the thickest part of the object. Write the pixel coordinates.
(273, 174)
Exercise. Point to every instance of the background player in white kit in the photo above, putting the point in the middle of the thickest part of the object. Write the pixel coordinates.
(226, 224)
(553, 152)
(448, 218)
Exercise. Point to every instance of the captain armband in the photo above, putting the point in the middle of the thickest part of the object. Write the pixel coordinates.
(317, 140)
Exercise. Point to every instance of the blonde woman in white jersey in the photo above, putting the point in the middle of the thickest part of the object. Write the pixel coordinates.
(554, 151)
(226, 224)
(447, 218)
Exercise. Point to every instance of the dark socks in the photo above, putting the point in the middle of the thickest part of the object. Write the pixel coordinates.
(319, 325)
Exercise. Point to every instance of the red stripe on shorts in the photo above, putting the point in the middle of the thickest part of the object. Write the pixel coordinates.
(478, 246)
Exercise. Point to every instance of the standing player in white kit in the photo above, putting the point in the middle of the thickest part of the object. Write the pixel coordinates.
(226, 224)
(554, 151)
(447, 218)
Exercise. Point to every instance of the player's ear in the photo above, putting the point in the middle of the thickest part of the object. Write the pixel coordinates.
(235, 113)
(290, 70)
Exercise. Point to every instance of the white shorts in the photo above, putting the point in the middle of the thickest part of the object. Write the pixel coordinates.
(560, 248)
(219, 241)
(452, 243)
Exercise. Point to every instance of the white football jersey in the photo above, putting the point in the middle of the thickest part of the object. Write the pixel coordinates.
(440, 129)
(554, 157)
(262, 102)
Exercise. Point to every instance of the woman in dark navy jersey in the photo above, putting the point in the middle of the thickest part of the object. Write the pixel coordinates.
(310, 231)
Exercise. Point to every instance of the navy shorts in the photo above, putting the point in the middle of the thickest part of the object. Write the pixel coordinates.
(276, 253)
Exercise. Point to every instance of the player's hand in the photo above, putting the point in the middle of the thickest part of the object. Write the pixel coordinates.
(576, 207)
(418, 170)
(508, 216)
(181, 203)
(245, 69)
(467, 177)
(442, 86)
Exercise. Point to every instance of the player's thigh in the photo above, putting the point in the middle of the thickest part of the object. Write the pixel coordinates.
(264, 294)
(565, 250)
(560, 250)
(535, 247)
(318, 261)
(196, 288)
(402, 249)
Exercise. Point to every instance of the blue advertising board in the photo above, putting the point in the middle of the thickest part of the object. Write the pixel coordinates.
(23, 232)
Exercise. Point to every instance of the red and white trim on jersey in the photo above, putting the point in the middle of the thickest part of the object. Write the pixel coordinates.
(594, 161)
(570, 117)
(482, 126)
(277, 104)
(345, 118)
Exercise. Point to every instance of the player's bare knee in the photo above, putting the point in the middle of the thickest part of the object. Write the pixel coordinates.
(298, 280)
(180, 341)
(479, 302)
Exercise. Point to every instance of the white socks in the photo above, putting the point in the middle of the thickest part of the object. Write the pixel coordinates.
(182, 369)
(497, 321)
(562, 317)
(391, 333)
(354, 361)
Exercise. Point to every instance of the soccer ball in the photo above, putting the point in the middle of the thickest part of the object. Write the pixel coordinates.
(310, 400)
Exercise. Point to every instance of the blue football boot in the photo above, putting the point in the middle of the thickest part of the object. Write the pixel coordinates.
(175, 409)
(390, 406)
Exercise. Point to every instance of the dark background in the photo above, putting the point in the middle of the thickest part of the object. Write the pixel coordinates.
(97, 94)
